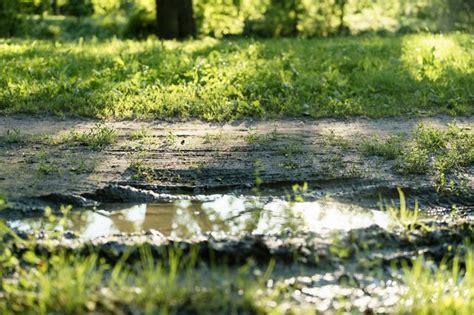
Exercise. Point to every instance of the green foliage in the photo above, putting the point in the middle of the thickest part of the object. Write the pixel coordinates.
(9, 17)
(218, 17)
(3, 201)
(449, 150)
(270, 18)
(228, 79)
(141, 171)
(45, 166)
(78, 8)
(389, 148)
(402, 215)
(442, 153)
(141, 19)
(96, 138)
(446, 288)
(14, 136)
(413, 160)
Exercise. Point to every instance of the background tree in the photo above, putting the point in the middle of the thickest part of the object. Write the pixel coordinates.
(175, 19)
(9, 17)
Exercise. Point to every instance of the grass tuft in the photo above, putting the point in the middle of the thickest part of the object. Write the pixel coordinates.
(96, 138)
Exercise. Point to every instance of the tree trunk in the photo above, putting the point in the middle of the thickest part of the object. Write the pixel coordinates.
(175, 19)
(342, 7)
(294, 27)
(54, 7)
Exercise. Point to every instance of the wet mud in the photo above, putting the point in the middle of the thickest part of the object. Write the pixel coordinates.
(226, 193)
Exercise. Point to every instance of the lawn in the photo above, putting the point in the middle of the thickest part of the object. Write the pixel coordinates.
(226, 79)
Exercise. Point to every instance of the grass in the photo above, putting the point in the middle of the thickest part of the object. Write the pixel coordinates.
(95, 138)
(254, 137)
(148, 287)
(14, 136)
(449, 150)
(388, 148)
(140, 134)
(402, 215)
(45, 166)
(447, 288)
(331, 139)
(431, 151)
(221, 80)
(141, 171)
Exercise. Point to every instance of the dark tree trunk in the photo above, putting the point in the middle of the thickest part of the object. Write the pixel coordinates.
(294, 27)
(342, 7)
(175, 19)
(54, 7)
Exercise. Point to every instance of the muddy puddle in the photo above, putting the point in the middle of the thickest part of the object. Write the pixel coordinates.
(124, 209)
(332, 252)
(226, 214)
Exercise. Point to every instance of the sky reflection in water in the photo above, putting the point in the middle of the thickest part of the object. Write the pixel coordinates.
(225, 213)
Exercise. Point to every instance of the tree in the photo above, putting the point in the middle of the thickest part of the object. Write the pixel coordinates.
(342, 12)
(175, 19)
(9, 17)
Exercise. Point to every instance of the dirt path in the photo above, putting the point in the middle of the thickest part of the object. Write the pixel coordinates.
(37, 158)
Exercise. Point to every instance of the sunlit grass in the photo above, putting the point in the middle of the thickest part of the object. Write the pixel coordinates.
(432, 151)
(227, 79)
(431, 56)
(447, 288)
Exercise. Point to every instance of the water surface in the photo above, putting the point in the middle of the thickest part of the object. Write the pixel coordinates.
(234, 215)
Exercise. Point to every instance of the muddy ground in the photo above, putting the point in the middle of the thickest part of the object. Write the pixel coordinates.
(152, 161)
(194, 156)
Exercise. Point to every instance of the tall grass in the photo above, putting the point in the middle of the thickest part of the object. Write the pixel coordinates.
(440, 289)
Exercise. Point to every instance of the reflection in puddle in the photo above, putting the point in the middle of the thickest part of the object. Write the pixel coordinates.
(225, 213)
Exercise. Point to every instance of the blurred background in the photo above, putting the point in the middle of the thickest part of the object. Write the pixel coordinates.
(70, 19)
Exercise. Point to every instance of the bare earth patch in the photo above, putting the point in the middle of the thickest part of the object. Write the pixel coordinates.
(38, 158)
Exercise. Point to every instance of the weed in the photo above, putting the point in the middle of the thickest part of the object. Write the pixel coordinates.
(46, 167)
(142, 133)
(389, 148)
(96, 138)
(83, 166)
(413, 160)
(402, 215)
(255, 138)
(141, 171)
(291, 149)
(335, 140)
(14, 136)
(446, 288)
(430, 138)
(213, 137)
(171, 138)
(3, 202)
(436, 151)
(289, 165)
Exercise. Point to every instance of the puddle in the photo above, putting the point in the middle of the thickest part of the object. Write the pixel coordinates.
(229, 214)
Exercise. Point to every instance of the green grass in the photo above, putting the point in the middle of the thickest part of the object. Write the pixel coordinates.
(389, 148)
(431, 151)
(447, 288)
(70, 284)
(449, 150)
(222, 80)
(95, 138)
